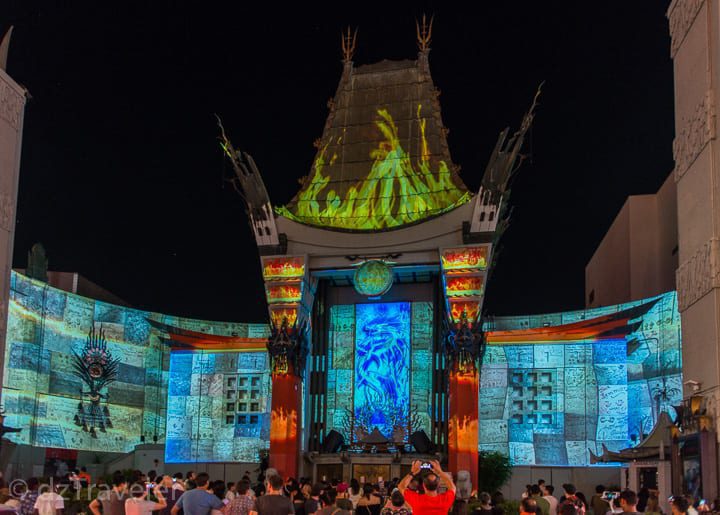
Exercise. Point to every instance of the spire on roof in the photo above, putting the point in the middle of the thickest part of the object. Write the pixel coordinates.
(349, 40)
(424, 33)
(4, 48)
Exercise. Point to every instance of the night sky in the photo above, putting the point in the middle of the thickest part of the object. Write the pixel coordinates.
(122, 178)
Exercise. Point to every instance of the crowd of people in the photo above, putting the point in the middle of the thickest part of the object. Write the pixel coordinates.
(426, 489)
(540, 499)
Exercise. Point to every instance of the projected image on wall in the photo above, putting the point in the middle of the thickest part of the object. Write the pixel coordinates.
(87, 375)
(380, 368)
(218, 406)
(556, 388)
(382, 365)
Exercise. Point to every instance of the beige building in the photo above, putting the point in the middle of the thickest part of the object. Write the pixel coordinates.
(695, 47)
(638, 256)
(12, 110)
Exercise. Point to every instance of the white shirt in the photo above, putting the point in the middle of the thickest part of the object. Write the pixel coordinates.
(47, 503)
(552, 500)
(137, 506)
(230, 495)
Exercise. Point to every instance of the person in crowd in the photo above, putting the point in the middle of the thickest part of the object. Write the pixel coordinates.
(485, 507)
(84, 477)
(152, 476)
(431, 502)
(190, 480)
(370, 502)
(273, 502)
(653, 506)
(242, 503)
(526, 492)
(111, 501)
(354, 492)
(643, 496)
(166, 485)
(27, 501)
(679, 505)
(542, 503)
(199, 500)
(567, 508)
(691, 505)
(583, 499)
(49, 503)
(138, 504)
(342, 499)
(178, 482)
(230, 491)
(541, 484)
(528, 506)
(329, 504)
(312, 505)
(551, 499)
(598, 504)
(396, 505)
(628, 501)
(219, 490)
(571, 497)
(292, 491)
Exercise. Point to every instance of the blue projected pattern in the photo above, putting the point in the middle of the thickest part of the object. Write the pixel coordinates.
(551, 402)
(218, 406)
(382, 364)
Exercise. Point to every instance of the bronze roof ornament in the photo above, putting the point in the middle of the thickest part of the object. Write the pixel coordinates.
(349, 41)
(424, 34)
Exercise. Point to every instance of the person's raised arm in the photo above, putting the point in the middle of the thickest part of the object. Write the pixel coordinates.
(162, 502)
(404, 482)
(95, 507)
(445, 476)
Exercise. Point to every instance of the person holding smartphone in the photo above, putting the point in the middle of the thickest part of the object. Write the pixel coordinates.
(431, 503)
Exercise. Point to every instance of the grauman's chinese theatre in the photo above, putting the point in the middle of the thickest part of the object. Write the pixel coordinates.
(374, 275)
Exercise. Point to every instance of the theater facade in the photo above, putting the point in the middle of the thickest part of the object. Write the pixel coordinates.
(377, 349)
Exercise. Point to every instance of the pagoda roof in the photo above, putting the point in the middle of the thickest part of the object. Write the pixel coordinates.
(383, 160)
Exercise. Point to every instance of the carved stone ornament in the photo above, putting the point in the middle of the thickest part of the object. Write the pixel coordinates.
(681, 15)
(7, 212)
(698, 275)
(11, 104)
(697, 131)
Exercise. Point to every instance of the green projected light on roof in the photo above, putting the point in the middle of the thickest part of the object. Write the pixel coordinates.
(399, 188)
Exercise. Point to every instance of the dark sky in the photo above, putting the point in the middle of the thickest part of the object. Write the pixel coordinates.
(122, 177)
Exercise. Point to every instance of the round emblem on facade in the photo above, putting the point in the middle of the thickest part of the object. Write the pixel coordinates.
(373, 278)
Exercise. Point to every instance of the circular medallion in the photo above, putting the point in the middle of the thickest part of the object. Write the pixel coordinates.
(373, 278)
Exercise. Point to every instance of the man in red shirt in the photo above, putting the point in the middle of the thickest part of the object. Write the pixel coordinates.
(431, 502)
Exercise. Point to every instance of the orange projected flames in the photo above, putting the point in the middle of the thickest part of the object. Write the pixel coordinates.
(278, 315)
(471, 309)
(284, 293)
(466, 258)
(463, 434)
(464, 286)
(283, 425)
(283, 268)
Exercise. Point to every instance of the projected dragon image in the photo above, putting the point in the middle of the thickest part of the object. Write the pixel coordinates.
(382, 364)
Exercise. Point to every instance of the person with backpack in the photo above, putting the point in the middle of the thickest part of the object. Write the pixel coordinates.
(571, 499)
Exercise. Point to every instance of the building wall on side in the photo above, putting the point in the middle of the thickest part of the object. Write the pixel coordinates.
(607, 275)
(637, 258)
(695, 36)
(12, 109)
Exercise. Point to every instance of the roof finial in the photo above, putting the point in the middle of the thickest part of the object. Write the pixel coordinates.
(424, 34)
(348, 44)
(4, 48)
